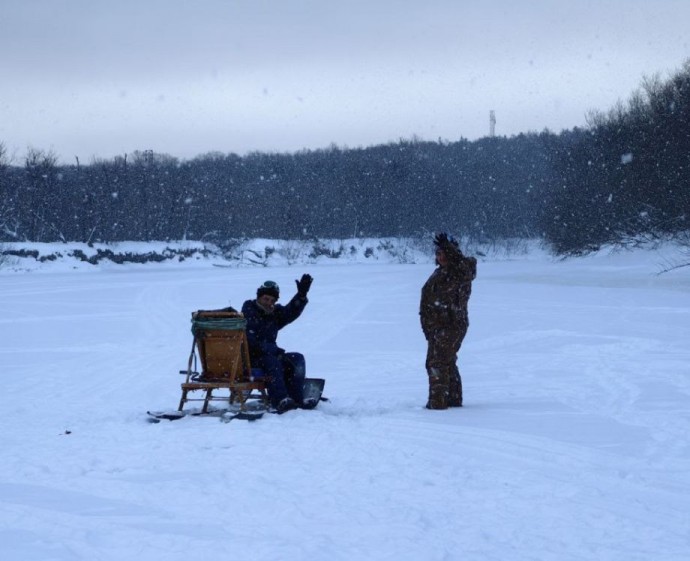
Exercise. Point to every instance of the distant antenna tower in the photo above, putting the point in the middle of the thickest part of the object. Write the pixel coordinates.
(492, 123)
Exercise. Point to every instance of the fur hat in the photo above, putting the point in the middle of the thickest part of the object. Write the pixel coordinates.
(269, 287)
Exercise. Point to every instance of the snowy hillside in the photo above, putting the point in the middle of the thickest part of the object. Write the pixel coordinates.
(573, 443)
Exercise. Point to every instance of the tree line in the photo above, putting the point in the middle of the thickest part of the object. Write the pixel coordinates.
(627, 175)
(624, 175)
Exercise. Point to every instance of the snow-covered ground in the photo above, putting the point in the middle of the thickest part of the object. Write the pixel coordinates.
(573, 444)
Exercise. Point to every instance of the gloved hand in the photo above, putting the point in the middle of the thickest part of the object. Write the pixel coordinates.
(444, 242)
(440, 239)
(303, 285)
(449, 246)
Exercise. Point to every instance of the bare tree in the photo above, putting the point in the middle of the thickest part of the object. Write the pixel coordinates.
(5, 203)
(43, 205)
(3, 157)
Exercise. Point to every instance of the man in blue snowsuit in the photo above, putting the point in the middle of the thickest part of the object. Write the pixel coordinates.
(285, 372)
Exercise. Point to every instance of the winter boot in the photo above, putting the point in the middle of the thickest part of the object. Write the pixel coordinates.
(286, 404)
(438, 390)
(455, 390)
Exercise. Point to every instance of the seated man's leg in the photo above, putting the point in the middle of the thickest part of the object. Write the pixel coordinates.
(295, 371)
(272, 366)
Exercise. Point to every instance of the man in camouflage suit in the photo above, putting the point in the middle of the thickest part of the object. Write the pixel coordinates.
(444, 317)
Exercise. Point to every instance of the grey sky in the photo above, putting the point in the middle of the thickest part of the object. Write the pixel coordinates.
(99, 78)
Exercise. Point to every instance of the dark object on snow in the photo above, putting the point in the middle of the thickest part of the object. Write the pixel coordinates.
(313, 390)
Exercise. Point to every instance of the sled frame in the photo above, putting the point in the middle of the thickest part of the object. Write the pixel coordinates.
(225, 365)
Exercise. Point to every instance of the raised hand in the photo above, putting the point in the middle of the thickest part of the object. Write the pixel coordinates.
(304, 284)
(444, 242)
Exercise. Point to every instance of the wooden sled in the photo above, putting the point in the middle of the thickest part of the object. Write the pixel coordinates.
(220, 348)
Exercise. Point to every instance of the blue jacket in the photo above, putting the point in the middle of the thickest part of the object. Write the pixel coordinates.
(262, 327)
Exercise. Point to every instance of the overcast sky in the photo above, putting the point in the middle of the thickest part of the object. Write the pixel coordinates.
(184, 77)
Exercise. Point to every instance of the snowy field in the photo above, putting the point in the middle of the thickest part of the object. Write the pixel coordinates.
(573, 444)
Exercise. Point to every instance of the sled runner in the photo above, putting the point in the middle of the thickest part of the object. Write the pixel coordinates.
(224, 414)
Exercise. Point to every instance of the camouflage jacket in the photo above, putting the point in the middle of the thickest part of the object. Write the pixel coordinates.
(446, 293)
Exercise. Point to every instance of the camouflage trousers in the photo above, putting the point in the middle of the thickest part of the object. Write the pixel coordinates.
(445, 383)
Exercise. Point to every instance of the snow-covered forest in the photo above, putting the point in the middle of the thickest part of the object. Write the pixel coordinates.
(625, 176)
